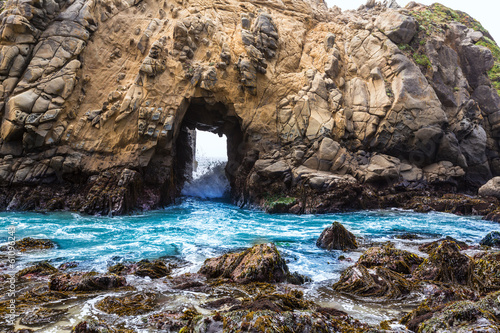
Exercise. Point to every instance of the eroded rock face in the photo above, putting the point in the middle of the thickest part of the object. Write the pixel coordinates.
(98, 98)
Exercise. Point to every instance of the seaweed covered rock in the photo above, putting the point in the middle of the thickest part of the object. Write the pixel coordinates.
(270, 321)
(92, 326)
(447, 264)
(491, 239)
(438, 295)
(293, 300)
(429, 247)
(388, 256)
(461, 317)
(154, 269)
(487, 270)
(39, 316)
(337, 237)
(375, 282)
(260, 263)
(129, 305)
(86, 282)
(37, 270)
(31, 244)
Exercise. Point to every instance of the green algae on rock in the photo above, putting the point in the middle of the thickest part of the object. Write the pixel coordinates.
(128, 305)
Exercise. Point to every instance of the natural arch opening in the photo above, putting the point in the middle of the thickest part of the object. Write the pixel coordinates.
(209, 174)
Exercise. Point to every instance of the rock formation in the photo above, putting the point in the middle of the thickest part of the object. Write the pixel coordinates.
(332, 108)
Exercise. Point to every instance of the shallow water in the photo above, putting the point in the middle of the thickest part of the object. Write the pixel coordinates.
(195, 229)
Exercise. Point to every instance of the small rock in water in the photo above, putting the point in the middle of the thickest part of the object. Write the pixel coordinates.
(336, 237)
(38, 270)
(28, 244)
(153, 269)
(491, 239)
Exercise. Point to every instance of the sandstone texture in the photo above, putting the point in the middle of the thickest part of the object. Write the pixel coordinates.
(333, 109)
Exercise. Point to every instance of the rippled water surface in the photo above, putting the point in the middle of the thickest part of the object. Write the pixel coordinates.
(196, 229)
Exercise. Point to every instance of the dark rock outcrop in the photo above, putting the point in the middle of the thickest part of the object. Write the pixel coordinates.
(337, 237)
(153, 269)
(491, 239)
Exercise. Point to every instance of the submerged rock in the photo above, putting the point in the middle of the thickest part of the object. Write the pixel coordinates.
(447, 264)
(30, 244)
(130, 305)
(260, 263)
(375, 282)
(86, 282)
(153, 269)
(491, 239)
(388, 256)
(337, 237)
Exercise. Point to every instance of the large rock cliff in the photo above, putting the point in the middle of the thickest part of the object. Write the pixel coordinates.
(332, 108)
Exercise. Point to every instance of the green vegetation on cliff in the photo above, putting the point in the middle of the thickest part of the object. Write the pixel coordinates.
(433, 20)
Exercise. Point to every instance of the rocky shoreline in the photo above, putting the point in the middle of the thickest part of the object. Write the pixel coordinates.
(454, 287)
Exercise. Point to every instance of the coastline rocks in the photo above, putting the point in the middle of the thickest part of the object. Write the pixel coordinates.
(337, 237)
(491, 239)
(31, 244)
(86, 282)
(399, 261)
(447, 264)
(129, 305)
(260, 263)
(154, 269)
(491, 188)
(375, 282)
(92, 326)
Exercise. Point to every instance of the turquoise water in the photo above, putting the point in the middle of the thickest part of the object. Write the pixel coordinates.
(196, 229)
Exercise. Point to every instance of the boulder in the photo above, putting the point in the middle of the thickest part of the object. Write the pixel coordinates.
(388, 256)
(491, 239)
(260, 263)
(398, 27)
(336, 237)
(491, 188)
(86, 282)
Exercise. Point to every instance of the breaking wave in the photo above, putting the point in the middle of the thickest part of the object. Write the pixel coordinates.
(208, 183)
